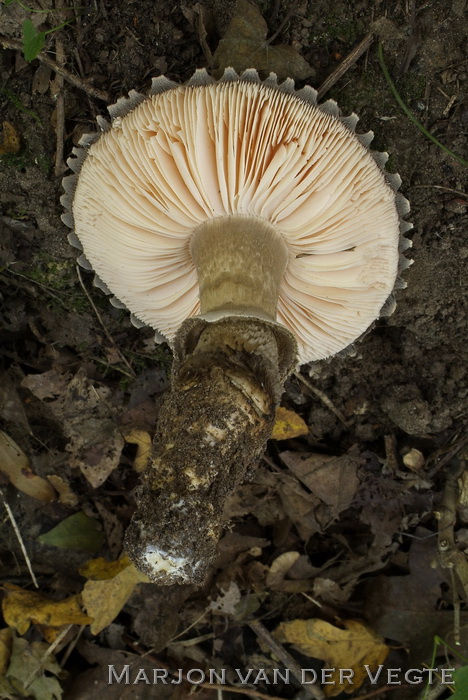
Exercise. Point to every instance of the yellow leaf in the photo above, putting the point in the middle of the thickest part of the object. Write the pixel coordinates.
(15, 464)
(143, 440)
(104, 599)
(351, 647)
(11, 140)
(5, 649)
(21, 608)
(102, 570)
(66, 495)
(288, 425)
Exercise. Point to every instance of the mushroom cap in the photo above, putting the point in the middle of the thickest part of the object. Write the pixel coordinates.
(240, 147)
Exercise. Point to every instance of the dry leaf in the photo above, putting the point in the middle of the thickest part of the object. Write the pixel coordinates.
(245, 46)
(11, 406)
(332, 479)
(104, 599)
(143, 440)
(300, 506)
(288, 425)
(21, 608)
(227, 602)
(47, 385)
(5, 649)
(102, 570)
(463, 486)
(11, 141)
(83, 409)
(15, 464)
(279, 568)
(202, 23)
(352, 647)
(66, 495)
(32, 663)
(113, 528)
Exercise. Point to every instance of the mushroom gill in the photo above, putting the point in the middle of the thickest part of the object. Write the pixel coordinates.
(197, 153)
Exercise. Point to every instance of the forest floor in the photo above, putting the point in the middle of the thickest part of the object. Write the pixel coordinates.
(348, 545)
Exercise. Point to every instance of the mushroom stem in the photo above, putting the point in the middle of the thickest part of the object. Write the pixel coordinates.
(240, 263)
(226, 384)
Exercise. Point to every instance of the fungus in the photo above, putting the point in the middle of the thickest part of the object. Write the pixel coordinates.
(254, 230)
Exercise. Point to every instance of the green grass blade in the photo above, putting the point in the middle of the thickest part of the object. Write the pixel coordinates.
(410, 115)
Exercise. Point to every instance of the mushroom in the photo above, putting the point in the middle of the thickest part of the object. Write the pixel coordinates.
(254, 230)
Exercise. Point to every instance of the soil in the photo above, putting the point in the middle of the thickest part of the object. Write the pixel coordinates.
(402, 387)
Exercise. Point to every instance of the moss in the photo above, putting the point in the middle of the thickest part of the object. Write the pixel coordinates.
(25, 159)
(411, 86)
(338, 24)
(18, 161)
(55, 274)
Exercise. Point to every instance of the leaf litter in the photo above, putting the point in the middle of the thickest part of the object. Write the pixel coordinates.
(332, 542)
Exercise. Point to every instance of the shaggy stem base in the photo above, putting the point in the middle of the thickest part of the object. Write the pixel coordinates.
(214, 424)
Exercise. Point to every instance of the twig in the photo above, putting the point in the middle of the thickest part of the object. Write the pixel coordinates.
(345, 65)
(39, 284)
(103, 326)
(391, 453)
(108, 365)
(324, 398)
(60, 110)
(71, 646)
(284, 656)
(439, 187)
(16, 45)
(289, 14)
(181, 634)
(19, 538)
(47, 653)
(251, 692)
(410, 114)
(449, 556)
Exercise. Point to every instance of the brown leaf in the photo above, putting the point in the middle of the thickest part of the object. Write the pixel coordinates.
(15, 464)
(245, 46)
(332, 479)
(83, 408)
(405, 608)
(113, 528)
(279, 568)
(11, 406)
(47, 385)
(299, 506)
(202, 22)
(5, 649)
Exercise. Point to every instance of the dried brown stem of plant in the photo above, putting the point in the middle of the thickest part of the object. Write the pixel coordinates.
(323, 397)
(345, 65)
(103, 325)
(449, 556)
(19, 538)
(16, 45)
(286, 658)
(57, 91)
(250, 692)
